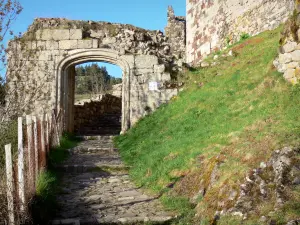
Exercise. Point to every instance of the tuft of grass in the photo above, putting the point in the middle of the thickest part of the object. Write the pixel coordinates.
(244, 36)
(241, 112)
(44, 205)
(45, 183)
(59, 153)
(182, 206)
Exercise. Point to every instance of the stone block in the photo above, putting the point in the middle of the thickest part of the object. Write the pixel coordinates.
(166, 77)
(85, 43)
(167, 94)
(30, 45)
(289, 47)
(292, 65)
(128, 59)
(49, 34)
(109, 40)
(285, 58)
(289, 74)
(75, 34)
(143, 71)
(141, 79)
(97, 34)
(205, 64)
(159, 68)
(43, 55)
(41, 45)
(52, 45)
(95, 43)
(146, 61)
(296, 55)
(67, 44)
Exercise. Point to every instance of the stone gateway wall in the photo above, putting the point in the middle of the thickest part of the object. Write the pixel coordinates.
(90, 112)
(212, 24)
(41, 65)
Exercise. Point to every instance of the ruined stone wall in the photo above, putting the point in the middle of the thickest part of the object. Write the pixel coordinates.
(288, 61)
(212, 24)
(176, 33)
(89, 112)
(40, 64)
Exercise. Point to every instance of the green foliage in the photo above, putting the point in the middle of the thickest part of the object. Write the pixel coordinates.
(244, 36)
(44, 204)
(45, 183)
(93, 79)
(59, 154)
(244, 108)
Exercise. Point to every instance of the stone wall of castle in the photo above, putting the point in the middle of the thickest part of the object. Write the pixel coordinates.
(213, 24)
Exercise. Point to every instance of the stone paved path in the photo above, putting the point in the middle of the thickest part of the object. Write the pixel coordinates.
(96, 189)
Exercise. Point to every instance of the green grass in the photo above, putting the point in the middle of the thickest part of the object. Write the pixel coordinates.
(59, 153)
(244, 111)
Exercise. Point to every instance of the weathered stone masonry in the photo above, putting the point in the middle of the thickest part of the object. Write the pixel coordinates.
(211, 24)
(41, 65)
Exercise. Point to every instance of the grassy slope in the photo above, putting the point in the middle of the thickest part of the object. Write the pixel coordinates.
(242, 113)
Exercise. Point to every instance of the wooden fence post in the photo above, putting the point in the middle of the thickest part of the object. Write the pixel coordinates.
(43, 146)
(47, 133)
(55, 128)
(30, 152)
(21, 182)
(10, 184)
(36, 148)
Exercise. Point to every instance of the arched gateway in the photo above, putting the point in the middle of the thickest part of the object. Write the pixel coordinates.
(41, 65)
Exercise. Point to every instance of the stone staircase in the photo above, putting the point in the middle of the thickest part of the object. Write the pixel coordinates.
(108, 124)
(96, 189)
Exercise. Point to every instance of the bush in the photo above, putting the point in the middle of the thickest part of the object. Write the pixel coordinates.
(244, 36)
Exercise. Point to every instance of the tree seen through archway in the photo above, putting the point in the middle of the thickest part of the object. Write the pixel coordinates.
(93, 79)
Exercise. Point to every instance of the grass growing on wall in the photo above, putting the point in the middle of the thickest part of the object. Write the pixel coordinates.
(241, 109)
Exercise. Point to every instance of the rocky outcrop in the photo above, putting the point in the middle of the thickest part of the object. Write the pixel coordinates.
(272, 181)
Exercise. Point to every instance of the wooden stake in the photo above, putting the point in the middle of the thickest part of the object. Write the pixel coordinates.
(21, 182)
(31, 163)
(36, 148)
(43, 144)
(10, 184)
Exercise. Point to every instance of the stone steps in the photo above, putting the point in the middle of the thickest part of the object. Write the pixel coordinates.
(96, 189)
(109, 221)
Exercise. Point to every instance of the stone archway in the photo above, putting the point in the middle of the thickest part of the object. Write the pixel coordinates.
(65, 99)
(41, 62)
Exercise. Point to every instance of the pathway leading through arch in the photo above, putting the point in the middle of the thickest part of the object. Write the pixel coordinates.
(96, 189)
